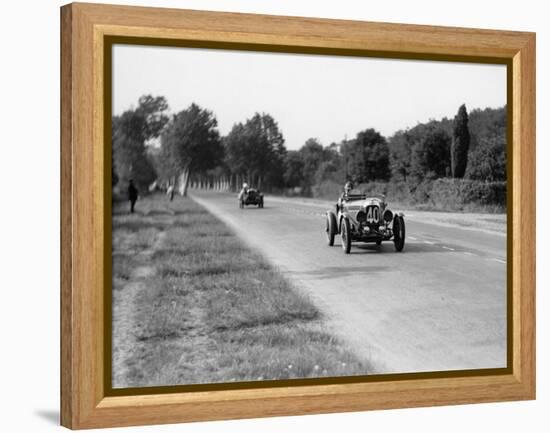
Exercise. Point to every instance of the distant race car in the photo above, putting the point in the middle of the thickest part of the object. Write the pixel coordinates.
(362, 218)
(251, 197)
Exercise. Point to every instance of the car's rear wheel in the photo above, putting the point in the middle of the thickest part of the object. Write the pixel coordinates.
(331, 228)
(398, 233)
(346, 236)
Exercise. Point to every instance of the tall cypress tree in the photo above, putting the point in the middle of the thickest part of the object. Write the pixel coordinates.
(460, 144)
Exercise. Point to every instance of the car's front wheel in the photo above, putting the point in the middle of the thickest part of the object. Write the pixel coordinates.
(346, 236)
(398, 233)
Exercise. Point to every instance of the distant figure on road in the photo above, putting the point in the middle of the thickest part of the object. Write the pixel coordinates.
(170, 192)
(132, 195)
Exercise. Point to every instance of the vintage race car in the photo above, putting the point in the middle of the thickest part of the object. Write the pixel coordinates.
(362, 218)
(251, 197)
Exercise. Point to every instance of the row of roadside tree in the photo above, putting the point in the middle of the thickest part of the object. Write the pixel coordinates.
(451, 163)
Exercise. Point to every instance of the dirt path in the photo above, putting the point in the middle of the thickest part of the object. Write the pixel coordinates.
(124, 309)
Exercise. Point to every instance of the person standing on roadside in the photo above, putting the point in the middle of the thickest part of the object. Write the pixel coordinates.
(170, 192)
(132, 195)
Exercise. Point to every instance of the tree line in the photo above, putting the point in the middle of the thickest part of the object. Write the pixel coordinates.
(156, 149)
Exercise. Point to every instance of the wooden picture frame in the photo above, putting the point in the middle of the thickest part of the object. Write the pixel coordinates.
(85, 32)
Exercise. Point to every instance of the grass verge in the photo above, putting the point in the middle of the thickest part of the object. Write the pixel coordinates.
(209, 309)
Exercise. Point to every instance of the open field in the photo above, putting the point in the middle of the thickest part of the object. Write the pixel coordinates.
(193, 304)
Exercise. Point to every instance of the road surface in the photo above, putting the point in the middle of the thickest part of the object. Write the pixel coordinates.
(439, 305)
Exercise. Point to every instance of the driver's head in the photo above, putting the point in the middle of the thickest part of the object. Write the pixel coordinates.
(245, 185)
(348, 186)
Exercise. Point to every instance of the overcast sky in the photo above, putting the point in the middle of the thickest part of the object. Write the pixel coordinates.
(325, 97)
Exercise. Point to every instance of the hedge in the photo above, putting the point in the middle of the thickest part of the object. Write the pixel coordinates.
(438, 194)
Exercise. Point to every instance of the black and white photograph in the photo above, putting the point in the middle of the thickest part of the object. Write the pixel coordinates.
(283, 216)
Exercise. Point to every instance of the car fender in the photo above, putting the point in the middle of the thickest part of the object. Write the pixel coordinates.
(330, 214)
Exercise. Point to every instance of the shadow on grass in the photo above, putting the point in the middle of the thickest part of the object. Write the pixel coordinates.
(179, 212)
(139, 225)
(157, 212)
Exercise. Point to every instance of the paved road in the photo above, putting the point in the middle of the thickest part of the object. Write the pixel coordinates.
(438, 305)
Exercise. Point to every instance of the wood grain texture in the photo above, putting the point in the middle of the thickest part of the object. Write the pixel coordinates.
(67, 389)
(84, 27)
(524, 208)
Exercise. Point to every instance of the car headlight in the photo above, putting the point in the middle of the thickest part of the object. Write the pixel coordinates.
(388, 215)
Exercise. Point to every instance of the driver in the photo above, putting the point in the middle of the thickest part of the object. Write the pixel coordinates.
(244, 190)
(348, 186)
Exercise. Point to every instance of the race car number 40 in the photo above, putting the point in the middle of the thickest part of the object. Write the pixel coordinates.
(373, 214)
